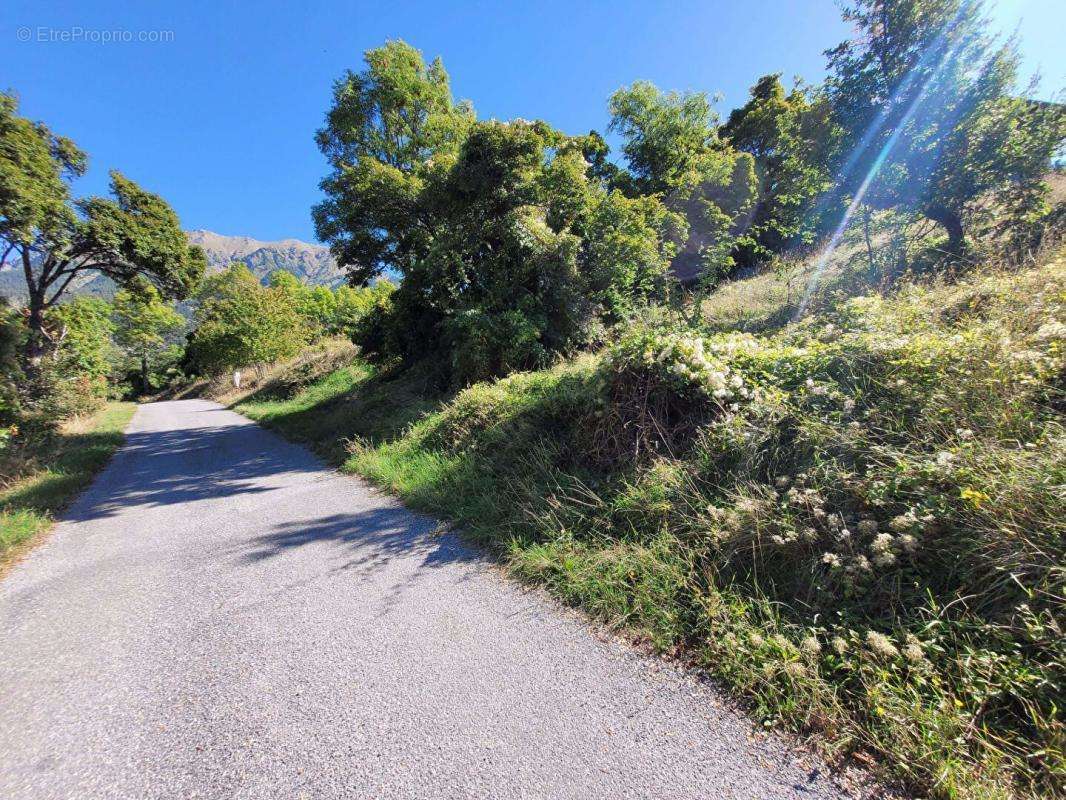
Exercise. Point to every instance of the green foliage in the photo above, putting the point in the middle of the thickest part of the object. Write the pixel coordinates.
(82, 332)
(924, 95)
(793, 140)
(137, 237)
(35, 165)
(144, 328)
(330, 312)
(241, 323)
(628, 242)
(73, 379)
(353, 303)
(508, 248)
(508, 245)
(11, 333)
(386, 127)
(134, 237)
(667, 137)
(530, 252)
(673, 149)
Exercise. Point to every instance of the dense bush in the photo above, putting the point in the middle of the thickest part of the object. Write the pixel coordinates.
(529, 254)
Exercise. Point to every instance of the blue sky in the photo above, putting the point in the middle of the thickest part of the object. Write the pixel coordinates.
(220, 118)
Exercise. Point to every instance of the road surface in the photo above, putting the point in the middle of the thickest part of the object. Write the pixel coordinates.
(221, 616)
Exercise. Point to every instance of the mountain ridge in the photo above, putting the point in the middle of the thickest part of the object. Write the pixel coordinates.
(312, 263)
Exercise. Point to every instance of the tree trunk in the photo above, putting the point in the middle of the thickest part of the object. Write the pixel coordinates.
(951, 222)
(869, 240)
(35, 339)
(144, 374)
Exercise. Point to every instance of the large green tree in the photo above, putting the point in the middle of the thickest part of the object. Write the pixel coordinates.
(505, 236)
(144, 324)
(933, 125)
(132, 236)
(526, 249)
(241, 323)
(388, 127)
(673, 149)
(793, 139)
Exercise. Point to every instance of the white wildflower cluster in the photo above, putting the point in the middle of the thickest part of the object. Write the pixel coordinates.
(688, 359)
(749, 505)
(792, 535)
(723, 520)
(858, 567)
(867, 527)
(880, 645)
(912, 649)
(816, 389)
(1051, 331)
(730, 344)
(881, 550)
(904, 522)
(1029, 357)
(886, 547)
(877, 546)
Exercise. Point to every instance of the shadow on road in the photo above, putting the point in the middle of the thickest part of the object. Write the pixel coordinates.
(157, 468)
(373, 538)
(372, 541)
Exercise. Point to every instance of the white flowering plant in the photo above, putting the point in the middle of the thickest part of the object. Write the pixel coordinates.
(685, 362)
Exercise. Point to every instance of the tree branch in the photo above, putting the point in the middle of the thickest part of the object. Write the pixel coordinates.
(60, 290)
(27, 268)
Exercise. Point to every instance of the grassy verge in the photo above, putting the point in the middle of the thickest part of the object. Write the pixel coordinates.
(62, 467)
(857, 523)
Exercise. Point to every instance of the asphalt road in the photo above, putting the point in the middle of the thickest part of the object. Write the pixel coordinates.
(221, 616)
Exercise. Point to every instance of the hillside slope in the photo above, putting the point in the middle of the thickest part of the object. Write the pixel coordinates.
(857, 522)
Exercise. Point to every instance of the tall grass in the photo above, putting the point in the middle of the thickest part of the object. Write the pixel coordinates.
(50, 476)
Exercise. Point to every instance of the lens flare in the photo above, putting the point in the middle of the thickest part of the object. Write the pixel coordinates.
(942, 56)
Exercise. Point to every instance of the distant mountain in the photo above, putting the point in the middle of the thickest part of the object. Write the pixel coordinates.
(309, 262)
